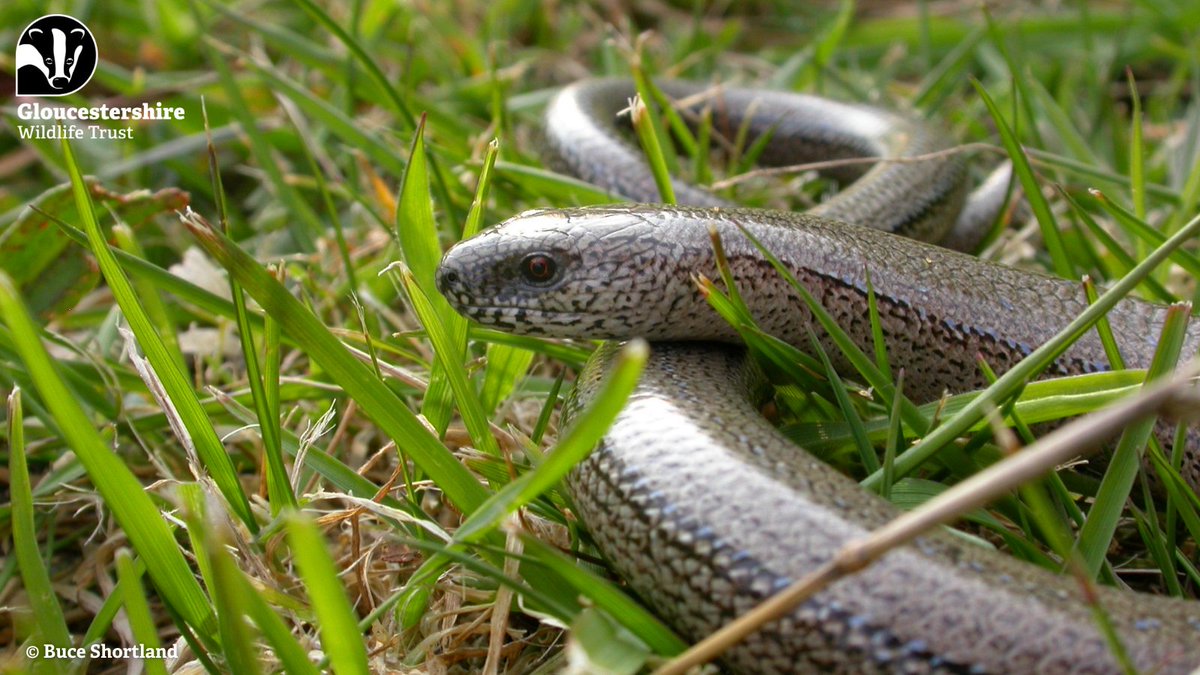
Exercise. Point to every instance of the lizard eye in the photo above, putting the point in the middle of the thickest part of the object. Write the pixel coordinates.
(538, 268)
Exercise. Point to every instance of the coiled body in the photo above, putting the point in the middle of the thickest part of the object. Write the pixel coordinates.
(706, 511)
(922, 200)
(702, 506)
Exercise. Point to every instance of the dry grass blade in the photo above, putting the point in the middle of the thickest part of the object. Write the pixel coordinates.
(1177, 396)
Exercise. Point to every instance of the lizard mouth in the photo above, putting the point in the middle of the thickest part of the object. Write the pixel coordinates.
(523, 320)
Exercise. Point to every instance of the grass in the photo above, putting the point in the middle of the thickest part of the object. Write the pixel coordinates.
(420, 526)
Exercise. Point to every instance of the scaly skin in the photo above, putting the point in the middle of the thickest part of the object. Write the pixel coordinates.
(705, 509)
(918, 199)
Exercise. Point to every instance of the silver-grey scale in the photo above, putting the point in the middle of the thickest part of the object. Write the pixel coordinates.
(701, 505)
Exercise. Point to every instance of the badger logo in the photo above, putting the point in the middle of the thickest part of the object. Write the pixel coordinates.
(56, 56)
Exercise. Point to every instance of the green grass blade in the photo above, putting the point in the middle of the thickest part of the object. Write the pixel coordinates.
(193, 505)
(573, 355)
(555, 604)
(47, 613)
(474, 220)
(944, 76)
(1125, 261)
(506, 364)
(589, 426)
(137, 611)
(1096, 534)
(1092, 172)
(827, 42)
(862, 442)
(1104, 329)
(731, 307)
(341, 638)
(554, 187)
(306, 225)
(376, 400)
(418, 236)
(1033, 190)
(701, 164)
(1011, 381)
(285, 40)
(645, 128)
(1157, 542)
(272, 361)
(346, 130)
(1039, 401)
(1068, 134)
(291, 654)
(155, 309)
(469, 405)
(543, 419)
(394, 99)
(1143, 232)
(1188, 197)
(585, 433)
(1022, 100)
(793, 364)
(122, 492)
(208, 446)
(601, 645)
(1137, 154)
(1180, 495)
(102, 622)
(894, 443)
(877, 340)
(603, 594)
(653, 117)
(392, 96)
(679, 128)
(861, 362)
(1053, 529)
(279, 488)
(232, 595)
(161, 278)
(235, 598)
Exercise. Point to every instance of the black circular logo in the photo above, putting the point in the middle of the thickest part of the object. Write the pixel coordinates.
(56, 56)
